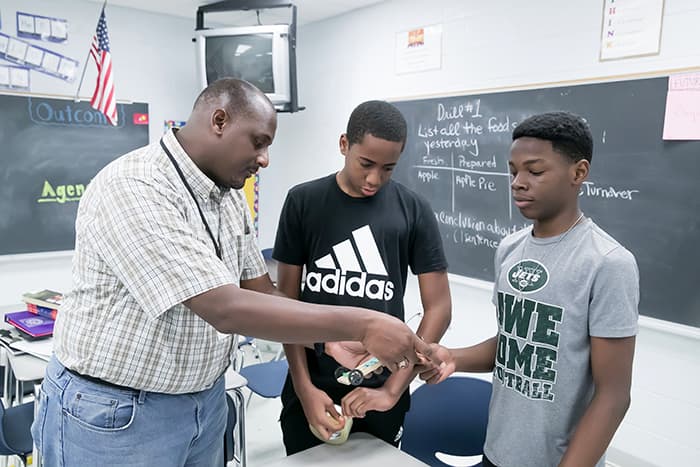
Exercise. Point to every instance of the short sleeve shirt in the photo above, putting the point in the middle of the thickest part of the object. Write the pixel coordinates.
(141, 250)
(357, 251)
(552, 295)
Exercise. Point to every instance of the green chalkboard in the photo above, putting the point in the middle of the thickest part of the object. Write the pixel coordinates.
(49, 151)
(642, 190)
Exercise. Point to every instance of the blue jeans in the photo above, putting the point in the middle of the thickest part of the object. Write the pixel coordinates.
(84, 423)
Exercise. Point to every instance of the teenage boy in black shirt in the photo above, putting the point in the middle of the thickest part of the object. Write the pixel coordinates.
(356, 232)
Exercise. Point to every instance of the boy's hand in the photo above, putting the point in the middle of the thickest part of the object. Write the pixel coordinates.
(361, 400)
(320, 412)
(349, 354)
(433, 374)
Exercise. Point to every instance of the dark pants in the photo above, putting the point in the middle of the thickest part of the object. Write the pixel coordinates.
(298, 437)
(485, 462)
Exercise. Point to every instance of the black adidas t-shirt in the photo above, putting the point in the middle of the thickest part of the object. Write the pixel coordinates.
(356, 251)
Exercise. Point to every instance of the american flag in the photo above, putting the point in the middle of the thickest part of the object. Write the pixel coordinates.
(103, 99)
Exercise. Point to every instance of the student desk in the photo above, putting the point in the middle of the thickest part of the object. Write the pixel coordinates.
(22, 367)
(359, 449)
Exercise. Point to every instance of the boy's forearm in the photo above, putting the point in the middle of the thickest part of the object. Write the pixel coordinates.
(595, 430)
(478, 358)
(399, 381)
(298, 368)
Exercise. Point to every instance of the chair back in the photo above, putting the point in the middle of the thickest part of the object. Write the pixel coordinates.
(448, 418)
(266, 379)
(15, 430)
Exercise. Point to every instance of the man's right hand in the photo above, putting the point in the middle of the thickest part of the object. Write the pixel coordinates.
(320, 412)
(394, 344)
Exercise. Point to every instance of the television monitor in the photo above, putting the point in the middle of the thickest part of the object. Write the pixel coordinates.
(258, 54)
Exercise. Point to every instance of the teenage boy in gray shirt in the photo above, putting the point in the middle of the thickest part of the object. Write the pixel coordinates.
(566, 295)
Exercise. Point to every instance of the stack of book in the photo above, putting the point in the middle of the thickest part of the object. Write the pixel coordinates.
(44, 303)
(38, 319)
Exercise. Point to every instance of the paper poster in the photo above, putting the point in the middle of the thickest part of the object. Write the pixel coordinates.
(250, 189)
(34, 57)
(419, 49)
(682, 117)
(168, 124)
(14, 77)
(39, 27)
(631, 28)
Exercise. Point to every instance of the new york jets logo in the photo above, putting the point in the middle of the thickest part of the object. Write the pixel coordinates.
(527, 276)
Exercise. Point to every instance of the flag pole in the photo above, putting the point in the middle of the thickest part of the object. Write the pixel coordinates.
(87, 59)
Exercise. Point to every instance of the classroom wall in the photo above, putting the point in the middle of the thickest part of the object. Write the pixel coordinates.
(345, 60)
(153, 61)
(348, 59)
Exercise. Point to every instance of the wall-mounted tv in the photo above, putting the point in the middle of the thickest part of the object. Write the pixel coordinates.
(258, 54)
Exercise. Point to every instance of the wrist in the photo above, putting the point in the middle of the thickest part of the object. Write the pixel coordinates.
(393, 390)
(304, 389)
(366, 320)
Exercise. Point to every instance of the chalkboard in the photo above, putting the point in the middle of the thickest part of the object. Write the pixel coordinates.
(49, 151)
(642, 190)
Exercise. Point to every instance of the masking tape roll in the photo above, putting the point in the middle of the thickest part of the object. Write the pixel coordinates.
(340, 436)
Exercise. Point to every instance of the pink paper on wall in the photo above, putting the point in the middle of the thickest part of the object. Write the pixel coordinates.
(682, 117)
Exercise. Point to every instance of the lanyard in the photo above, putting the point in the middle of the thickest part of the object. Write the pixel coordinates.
(194, 198)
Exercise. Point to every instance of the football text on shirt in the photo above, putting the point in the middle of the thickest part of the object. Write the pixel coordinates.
(528, 345)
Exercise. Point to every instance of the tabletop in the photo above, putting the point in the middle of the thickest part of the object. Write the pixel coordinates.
(359, 449)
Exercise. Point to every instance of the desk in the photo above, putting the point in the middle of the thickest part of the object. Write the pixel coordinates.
(23, 367)
(360, 449)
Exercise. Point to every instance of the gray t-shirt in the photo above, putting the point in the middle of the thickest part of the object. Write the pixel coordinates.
(552, 295)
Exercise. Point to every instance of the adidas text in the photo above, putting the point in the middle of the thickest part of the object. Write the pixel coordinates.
(354, 286)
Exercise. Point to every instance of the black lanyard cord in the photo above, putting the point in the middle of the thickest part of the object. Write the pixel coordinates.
(194, 198)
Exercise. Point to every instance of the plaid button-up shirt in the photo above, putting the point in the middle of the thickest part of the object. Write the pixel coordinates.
(141, 250)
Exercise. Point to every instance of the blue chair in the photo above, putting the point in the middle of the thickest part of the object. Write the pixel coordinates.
(267, 253)
(266, 379)
(448, 418)
(15, 430)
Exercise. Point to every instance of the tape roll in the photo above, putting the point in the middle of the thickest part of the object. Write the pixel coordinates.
(340, 436)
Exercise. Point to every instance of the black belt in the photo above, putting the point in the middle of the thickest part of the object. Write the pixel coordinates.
(102, 382)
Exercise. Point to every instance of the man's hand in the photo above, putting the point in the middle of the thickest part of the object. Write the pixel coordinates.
(320, 412)
(433, 374)
(394, 344)
(361, 400)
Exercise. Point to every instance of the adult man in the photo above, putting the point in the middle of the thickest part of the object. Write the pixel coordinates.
(166, 267)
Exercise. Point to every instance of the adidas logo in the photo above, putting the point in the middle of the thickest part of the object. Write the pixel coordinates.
(349, 276)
